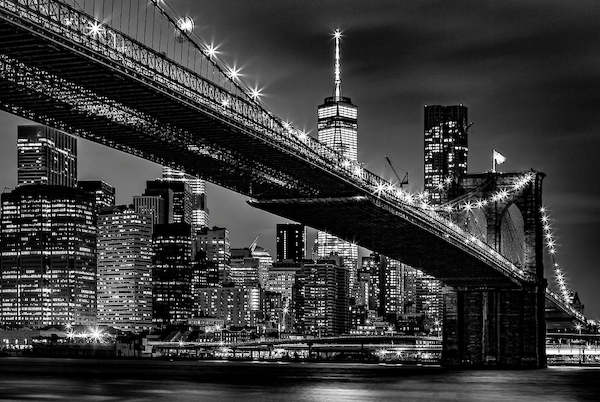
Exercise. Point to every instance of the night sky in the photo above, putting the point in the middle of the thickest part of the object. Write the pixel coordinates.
(529, 72)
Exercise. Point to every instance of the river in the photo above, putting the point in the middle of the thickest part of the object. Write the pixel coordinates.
(41, 379)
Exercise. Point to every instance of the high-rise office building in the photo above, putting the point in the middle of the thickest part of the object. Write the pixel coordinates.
(215, 243)
(446, 149)
(428, 299)
(337, 127)
(245, 269)
(177, 196)
(237, 306)
(290, 242)
(265, 262)
(124, 269)
(104, 193)
(172, 271)
(199, 209)
(321, 305)
(281, 279)
(154, 205)
(48, 257)
(46, 156)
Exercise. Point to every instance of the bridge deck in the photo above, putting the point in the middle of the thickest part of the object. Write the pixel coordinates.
(361, 220)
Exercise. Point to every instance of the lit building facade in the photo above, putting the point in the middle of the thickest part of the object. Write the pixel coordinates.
(290, 242)
(215, 243)
(124, 269)
(104, 193)
(172, 271)
(48, 257)
(245, 269)
(446, 149)
(199, 208)
(46, 156)
(321, 306)
(265, 262)
(153, 205)
(177, 196)
(337, 126)
(237, 306)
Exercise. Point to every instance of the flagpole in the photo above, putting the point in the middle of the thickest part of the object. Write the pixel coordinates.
(493, 161)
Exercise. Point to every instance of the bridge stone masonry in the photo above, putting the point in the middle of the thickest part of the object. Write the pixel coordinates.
(489, 326)
(62, 67)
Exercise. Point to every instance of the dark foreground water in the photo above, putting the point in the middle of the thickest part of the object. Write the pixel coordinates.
(98, 380)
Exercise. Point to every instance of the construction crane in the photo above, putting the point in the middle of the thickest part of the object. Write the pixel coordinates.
(404, 180)
(252, 245)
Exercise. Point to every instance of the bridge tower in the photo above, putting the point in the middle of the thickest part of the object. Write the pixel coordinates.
(489, 326)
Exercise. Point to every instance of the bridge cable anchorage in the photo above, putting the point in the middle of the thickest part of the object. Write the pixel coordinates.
(551, 247)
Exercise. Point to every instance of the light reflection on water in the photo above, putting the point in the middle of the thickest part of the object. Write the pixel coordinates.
(97, 380)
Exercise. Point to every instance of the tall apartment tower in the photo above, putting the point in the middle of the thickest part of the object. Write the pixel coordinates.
(48, 257)
(46, 156)
(290, 242)
(337, 126)
(125, 269)
(199, 213)
(446, 149)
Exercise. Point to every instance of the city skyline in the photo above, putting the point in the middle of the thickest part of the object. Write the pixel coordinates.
(575, 253)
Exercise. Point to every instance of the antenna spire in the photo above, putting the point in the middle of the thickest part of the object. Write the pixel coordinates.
(337, 35)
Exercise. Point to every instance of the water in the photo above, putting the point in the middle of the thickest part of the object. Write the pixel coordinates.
(108, 380)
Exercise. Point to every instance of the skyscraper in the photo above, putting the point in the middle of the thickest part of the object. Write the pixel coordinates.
(104, 193)
(199, 217)
(215, 243)
(244, 268)
(46, 156)
(337, 127)
(177, 196)
(153, 205)
(446, 149)
(124, 269)
(172, 271)
(290, 241)
(321, 298)
(48, 257)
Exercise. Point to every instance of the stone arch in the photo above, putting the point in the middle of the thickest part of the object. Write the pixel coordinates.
(474, 222)
(512, 236)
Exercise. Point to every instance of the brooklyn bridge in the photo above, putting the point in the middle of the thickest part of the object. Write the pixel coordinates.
(132, 76)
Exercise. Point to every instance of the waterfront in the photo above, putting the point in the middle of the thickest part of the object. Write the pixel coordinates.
(110, 380)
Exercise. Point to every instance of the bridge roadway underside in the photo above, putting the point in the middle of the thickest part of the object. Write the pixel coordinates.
(362, 221)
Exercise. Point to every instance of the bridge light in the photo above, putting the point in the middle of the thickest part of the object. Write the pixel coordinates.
(95, 29)
(211, 50)
(302, 135)
(225, 103)
(468, 207)
(345, 163)
(234, 72)
(255, 93)
(186, 24)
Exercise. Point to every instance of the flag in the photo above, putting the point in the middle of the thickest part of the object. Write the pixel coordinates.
(499, 158)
